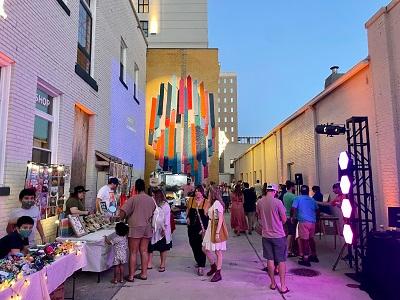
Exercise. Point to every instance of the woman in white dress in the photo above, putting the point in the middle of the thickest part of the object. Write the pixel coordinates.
(215, 212)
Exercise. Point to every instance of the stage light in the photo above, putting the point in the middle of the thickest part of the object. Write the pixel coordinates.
(348, 234)
(346, 208)
(345, 184)
(330, 129)
(344, 160)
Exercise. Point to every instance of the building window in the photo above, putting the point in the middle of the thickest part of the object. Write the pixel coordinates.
(224, 80)
(145, 27)
(232, 164)
(219, 109)
(232, 119)
(232, 139)
(219, 120)
(219, 90)
(43, 134)
(231, 100)
(231, 109)
(226, 130)
(84, 36)
(122, 63)
(226, 120)
(219, 100)
(231, 80)
(143, 6)
(224, 90)
(231, 90)
(224, 100)
(224, 109)
(232, 129)
(136, 84)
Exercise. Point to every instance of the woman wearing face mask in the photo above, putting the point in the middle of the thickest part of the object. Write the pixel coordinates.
(197, 224)
(17, 241)
(28, 208)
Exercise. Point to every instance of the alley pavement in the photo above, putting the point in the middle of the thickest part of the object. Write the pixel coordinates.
(241, 273)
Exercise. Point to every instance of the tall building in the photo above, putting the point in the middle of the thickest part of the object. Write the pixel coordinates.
(227, 105)
(174, 23)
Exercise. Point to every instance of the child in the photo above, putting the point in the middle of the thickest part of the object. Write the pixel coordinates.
(120, 245)
(17, 241)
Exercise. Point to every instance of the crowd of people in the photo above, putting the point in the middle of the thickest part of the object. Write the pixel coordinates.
(286, 221)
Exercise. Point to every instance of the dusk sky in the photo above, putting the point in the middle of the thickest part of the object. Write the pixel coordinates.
(282, 51)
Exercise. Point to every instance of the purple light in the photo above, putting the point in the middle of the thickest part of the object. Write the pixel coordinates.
(343, 160)
(346, 208)
(345, 184)
(348, 234)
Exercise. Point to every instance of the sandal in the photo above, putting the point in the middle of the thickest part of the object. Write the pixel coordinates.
(272, 287)
(139, 276)
(161, 269)
(284, 292)
(128, 279)
(114, 281)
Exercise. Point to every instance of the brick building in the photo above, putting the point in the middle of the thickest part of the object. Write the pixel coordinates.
(72, 83)
(370, 89)
(227, 105)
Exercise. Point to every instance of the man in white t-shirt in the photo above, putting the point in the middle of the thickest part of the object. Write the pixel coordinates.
(28, 208)
(106, 197)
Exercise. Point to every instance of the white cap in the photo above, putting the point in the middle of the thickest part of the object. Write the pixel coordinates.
(273, 187)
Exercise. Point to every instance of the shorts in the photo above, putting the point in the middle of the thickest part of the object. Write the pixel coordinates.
(306, 230)
(275, 249)
(141, 232)
(290, 227)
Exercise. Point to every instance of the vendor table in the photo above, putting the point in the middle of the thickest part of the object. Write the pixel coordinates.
(100, 254)
(39, 285)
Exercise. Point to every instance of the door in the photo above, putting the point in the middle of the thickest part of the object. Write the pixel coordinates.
(79, 148)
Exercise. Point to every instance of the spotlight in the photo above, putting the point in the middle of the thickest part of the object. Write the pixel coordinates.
(330, 129)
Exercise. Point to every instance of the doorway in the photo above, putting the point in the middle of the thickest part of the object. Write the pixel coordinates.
(79, 148)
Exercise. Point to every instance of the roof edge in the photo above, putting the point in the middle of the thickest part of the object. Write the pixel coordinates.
(381, 12)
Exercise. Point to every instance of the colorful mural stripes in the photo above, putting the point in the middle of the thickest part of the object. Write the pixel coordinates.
(182, 127)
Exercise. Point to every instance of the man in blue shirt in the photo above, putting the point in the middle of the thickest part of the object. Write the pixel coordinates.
(305, 209)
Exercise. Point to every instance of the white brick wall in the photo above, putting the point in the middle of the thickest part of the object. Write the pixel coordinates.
(42, 40)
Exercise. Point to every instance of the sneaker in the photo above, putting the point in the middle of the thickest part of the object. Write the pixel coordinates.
(313, 258)
(304, 263)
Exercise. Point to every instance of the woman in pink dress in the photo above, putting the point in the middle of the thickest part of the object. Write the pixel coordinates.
(238, 219)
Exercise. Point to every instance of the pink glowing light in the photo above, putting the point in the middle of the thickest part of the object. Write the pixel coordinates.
(348, 234)
(345, 184)
(346, 208)
(343, 160)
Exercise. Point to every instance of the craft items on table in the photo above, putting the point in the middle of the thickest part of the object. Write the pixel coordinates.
(96, 222)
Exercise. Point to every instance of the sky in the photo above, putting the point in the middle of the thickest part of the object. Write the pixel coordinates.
(282, 51)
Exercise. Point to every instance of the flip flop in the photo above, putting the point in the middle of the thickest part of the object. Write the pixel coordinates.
(138, 276)
(271, 287)
(128, 279)
(284, 292)
(161, 269)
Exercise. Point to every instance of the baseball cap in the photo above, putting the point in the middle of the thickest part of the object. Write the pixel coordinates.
(273, 187)
(113, 180)
(80, 189)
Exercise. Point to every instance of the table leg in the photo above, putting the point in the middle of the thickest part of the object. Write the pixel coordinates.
(73, 286)
(98, 277)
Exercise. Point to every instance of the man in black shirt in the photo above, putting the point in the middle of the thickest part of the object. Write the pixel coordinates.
(249, 205)
(17, 241)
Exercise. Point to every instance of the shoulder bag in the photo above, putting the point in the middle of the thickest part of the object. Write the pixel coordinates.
(223, 234)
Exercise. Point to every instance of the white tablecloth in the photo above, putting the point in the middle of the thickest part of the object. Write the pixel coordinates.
(40, 287)
(99, 254)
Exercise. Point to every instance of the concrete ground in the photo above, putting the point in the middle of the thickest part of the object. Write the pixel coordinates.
(242, 277)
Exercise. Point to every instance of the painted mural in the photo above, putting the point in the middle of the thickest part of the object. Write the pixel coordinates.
(182, 127)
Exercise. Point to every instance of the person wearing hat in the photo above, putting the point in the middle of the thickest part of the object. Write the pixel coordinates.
(74, 205)
(272, 215)
(106, 196)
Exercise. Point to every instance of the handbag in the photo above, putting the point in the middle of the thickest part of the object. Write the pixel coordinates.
(203, 230)
(223, 234)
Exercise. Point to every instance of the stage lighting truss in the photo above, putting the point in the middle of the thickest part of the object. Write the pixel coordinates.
(345, 169)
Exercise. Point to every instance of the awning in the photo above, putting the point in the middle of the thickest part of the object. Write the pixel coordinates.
(104, 159)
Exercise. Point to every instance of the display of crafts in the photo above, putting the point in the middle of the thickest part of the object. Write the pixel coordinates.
(96, 222)
(15, 267)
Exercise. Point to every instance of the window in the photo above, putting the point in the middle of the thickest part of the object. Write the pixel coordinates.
(226, 130)
(122, 63)
(231, 80)
(224, 109)
(232, 139)
(232, 119)
(145, 27)
(231, 90)
(224, 80)
(143, 6)
(224, 100)
(219, 90)
(232, 129)
(43, 134)
(224, 90)
(231, 109)
(231, 100)
(136, 84)
(226, 120)
(84, 36)
(219, 100)
(219, 109)
(232, 164)
(219, 120)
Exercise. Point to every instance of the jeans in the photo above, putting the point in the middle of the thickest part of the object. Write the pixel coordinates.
(251, 218)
